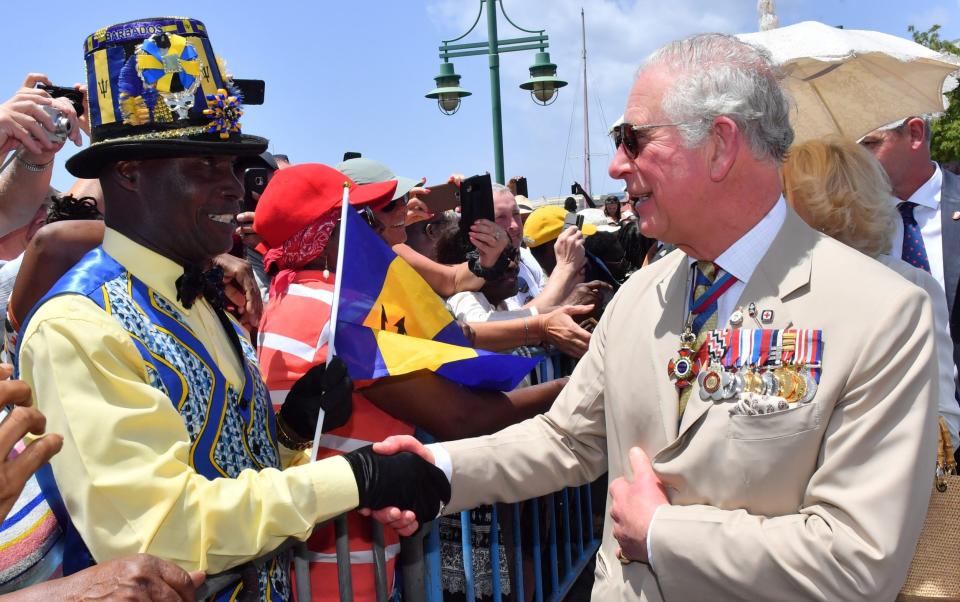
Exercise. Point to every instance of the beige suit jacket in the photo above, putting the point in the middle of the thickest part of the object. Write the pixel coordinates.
(821, 502)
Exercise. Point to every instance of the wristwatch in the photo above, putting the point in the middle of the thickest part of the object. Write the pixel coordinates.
(491, 273)
(288, 440)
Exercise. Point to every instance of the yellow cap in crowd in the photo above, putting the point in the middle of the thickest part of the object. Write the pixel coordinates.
(546, 223)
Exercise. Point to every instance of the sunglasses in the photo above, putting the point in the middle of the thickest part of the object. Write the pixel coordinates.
(367, 214)
(632, 137)
(402, 202)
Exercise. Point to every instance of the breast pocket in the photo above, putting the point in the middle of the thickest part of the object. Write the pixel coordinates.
(775, 426)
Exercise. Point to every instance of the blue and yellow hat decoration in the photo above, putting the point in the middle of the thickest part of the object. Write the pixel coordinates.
(157, 90)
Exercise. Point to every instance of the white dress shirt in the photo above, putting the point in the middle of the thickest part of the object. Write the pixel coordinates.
(471, 306)
(927, 214)
(742, 257)
(741, 260)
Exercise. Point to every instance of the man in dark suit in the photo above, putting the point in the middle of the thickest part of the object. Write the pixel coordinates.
(928, 199)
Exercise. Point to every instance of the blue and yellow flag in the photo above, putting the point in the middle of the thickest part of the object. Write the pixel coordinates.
(390, 322)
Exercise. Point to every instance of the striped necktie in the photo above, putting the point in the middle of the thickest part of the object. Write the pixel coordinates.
(711, 283)
(913, 252)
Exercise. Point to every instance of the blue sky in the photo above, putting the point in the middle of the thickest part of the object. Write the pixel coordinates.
(352, 75)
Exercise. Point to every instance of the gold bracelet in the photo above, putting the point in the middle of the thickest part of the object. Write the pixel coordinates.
(288, 441)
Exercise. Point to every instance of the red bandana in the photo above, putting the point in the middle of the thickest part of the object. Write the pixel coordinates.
(299, 250)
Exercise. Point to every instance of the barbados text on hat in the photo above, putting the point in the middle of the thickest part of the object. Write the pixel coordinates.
(158, 90)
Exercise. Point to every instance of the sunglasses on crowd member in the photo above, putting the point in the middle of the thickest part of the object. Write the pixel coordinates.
(633, 137)
(401, 201)
(367, 214)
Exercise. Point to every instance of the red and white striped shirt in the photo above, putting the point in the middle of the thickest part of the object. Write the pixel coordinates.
(292, 339)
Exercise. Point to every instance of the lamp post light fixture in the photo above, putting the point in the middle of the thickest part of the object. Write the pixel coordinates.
(448, 91)
(543, 83)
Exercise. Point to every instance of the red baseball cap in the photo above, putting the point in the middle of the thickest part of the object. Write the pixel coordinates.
(299, 195)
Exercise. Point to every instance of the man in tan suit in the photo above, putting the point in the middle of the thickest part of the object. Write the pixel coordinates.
(807, 475)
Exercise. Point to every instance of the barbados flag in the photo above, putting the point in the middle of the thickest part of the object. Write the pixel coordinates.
(390, 322)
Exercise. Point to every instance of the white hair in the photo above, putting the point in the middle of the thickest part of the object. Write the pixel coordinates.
(719, 75)
(498, 188)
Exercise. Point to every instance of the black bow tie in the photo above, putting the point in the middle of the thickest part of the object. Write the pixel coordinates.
(196, 283)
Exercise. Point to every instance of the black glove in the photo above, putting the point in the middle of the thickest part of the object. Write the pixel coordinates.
(323, 387)
(494, 271)
(404, 480)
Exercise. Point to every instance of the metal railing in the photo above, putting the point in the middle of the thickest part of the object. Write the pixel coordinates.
(550, 539)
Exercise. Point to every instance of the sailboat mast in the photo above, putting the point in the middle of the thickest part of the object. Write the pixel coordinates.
(586, 116)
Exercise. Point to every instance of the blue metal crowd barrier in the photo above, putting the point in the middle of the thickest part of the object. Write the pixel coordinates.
(571, 542)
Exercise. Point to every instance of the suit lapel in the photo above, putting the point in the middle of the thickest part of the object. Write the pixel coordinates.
(784, 270)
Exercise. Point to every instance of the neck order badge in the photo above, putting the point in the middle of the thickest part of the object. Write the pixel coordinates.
(390, 322)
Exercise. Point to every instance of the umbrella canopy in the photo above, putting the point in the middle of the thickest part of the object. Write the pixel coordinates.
(850, 82)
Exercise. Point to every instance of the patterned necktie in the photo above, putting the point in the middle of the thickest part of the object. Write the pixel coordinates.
(913, 251)
(710, 284)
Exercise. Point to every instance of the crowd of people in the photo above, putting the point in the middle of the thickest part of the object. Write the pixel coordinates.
(764, 335)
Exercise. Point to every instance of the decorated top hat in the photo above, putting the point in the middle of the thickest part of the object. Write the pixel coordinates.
(157, 90)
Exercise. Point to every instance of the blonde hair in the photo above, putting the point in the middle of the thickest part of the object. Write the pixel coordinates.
(841, 190)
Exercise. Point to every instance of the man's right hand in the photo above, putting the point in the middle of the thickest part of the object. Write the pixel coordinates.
(14, 472)
(403, 522)
(141, 578)
(403, 480)
(400, 443)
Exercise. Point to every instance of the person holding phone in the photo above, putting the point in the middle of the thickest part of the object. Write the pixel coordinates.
(299, 217)
(535, 289)
(489, 240)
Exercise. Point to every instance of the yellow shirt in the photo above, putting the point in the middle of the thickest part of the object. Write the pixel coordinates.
(124, 472)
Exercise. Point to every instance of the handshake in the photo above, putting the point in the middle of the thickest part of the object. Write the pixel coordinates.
(398, 483)
(396, 474)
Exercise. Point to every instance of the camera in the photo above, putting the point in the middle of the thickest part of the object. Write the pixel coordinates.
(61, 125)
(573, 219)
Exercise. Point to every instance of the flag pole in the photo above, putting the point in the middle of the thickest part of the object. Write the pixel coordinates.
(332, 325)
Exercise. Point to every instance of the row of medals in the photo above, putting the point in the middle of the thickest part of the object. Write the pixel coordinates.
(795, 384)
(791, 382)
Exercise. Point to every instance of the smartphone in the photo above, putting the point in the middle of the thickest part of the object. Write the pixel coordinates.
(573, 219)
(254, 181)
(442, 198)
(252, 90)
(476, 201)
(74, 96)
(351, 155)
(521, 186)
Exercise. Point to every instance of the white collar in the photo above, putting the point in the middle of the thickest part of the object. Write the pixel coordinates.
(742, 257)
(928, 195)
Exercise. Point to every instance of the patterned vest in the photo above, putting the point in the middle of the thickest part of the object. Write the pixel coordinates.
(231, 430)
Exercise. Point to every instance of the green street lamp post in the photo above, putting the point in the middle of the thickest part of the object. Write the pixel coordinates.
(543, 83)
